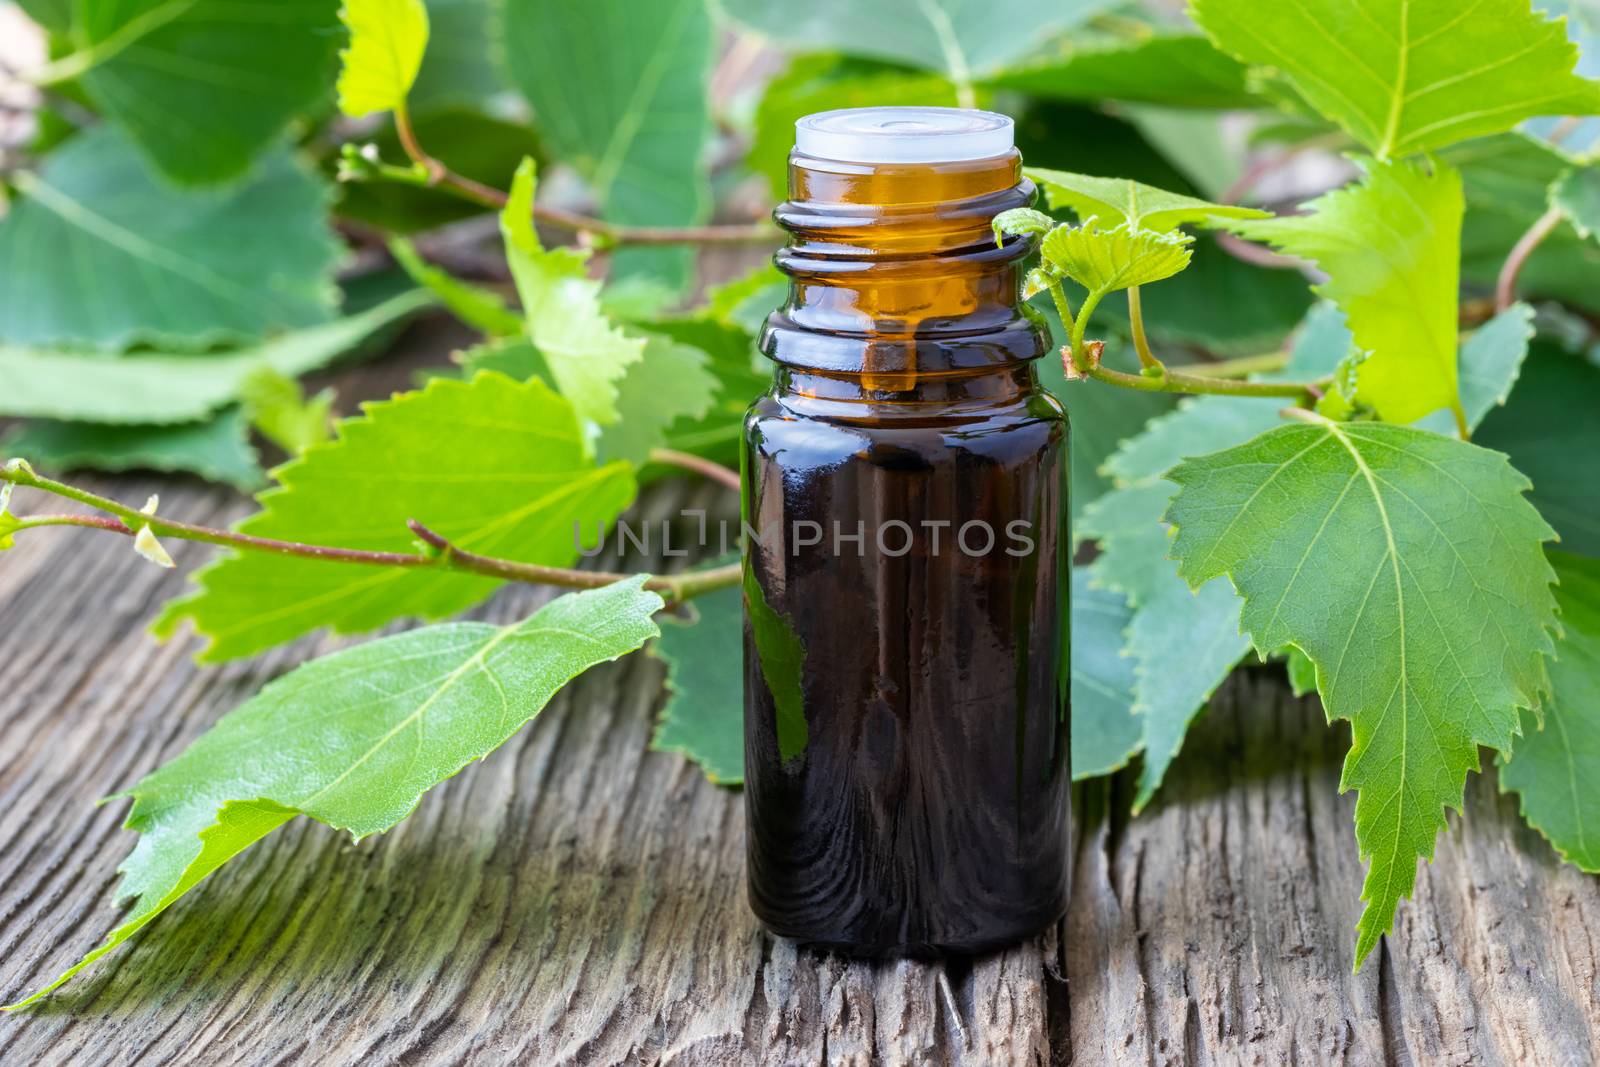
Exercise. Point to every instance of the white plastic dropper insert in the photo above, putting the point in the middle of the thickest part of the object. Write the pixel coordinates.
(904, 135)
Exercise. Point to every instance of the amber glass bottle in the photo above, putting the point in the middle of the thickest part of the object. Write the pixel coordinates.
(906, 563)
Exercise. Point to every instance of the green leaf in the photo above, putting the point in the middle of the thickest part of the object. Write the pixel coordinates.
(1119, 258)
(703, 718)
(53, 15)
(732, 362)
(116, 255)
(279, 409)
(1177, 70)
(746, 301)
(1390, 246)
(495, 466)
(1105, 734)
(1491, 360)
(959, 38)
(1409, 77)
(781, 657)
(826, 83)
(671, 382)
(204, 87)
(1549, 430)
(217, 449)
(1410, 569)
(1169, 626)
(1122, 201)
(355, 739)
(479, 308)
(640, 133)
(1577, 196)
(165, 387)
(586, 353)
(387, 39)
(1020, 220)
(1557, 761)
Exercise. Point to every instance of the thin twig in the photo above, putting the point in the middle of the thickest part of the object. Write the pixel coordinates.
(444, 555)
(698, 464)
(1141, 343)
(437, 175)
(1242, 367)
(1505, 289)
(1172, 382)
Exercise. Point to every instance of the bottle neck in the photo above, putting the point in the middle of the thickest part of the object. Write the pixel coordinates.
(895, 274)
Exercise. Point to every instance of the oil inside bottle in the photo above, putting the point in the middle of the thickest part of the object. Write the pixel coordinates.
(907, 571)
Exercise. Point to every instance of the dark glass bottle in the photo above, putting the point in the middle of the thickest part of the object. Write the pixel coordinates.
(907, 556)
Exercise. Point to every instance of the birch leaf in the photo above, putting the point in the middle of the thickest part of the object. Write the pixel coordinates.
(1410, 569)
(355, 739)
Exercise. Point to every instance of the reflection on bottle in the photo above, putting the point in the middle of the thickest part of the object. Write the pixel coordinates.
(782, 657)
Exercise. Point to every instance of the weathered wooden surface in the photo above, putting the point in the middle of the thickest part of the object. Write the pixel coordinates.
(578, 899)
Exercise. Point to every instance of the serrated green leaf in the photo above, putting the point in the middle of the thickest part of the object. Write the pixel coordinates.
(1105, 734)
(1557, 761)
(355, 739)
(1390, 246)
(1170, 625)
(1119, 258)
(281, 412)
(1176, 70)
(217, 449)
(166, 387)
(116, 255)
(1222, 304)
(1577, 196)
(204, 87)
(640, 133)
(672, 381)
(825, 83)
(387, 40)
(477, 307)
(1119, 200)
(1020, 220)
(1413, 76)
(703, 718)
(717, 434)
(586, 353)
(495, 466)
(959, 38)
(1490, 361)
(1549, 430)
(1410, 568)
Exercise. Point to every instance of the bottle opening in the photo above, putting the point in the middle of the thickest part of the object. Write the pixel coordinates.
(904, 135)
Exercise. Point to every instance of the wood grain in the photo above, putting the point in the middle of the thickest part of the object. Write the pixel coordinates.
(578, 899)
